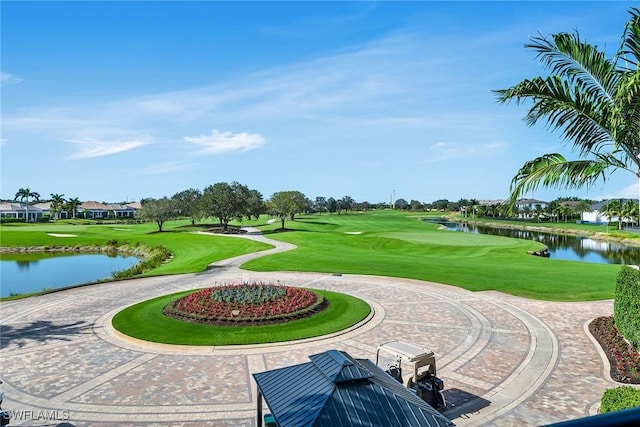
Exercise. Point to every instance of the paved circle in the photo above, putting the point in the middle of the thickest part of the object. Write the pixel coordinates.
(505, 360)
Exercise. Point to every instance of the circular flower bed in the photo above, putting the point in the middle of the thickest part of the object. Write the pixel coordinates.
(246, 303)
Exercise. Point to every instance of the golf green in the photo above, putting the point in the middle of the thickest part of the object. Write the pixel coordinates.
(145, 321)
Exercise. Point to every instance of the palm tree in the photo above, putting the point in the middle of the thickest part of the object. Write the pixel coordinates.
(72, 205)
(57, 200)
(537, 211)
(24, 194)
(629, 211)
(582, 207)
(614, 209)
(593, 101)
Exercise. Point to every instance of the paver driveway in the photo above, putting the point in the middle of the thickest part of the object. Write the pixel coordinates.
(505, 360)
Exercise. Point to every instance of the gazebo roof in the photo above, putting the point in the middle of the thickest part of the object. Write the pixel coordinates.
(334, 389)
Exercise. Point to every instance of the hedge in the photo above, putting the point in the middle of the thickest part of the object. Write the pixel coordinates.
(626, 307)
(619, 398)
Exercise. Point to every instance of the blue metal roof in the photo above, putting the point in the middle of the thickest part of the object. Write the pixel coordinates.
(336, 390)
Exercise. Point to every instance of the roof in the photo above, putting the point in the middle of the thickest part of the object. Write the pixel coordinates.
(96, 206)
(530, 202)
(17, 207)
(45, 206)
(334, 389)
(406, 351)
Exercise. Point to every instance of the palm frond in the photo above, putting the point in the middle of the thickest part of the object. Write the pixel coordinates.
(576, 112)
(555, 171)
(567, 56)
(630, 45)
(626, 125)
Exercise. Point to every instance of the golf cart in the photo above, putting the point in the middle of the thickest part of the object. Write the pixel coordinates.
(422, 378)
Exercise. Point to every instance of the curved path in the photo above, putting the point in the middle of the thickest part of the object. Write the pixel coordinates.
(505, 360)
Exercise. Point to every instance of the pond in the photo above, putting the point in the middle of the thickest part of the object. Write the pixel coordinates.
(33, 272)
(573, 248)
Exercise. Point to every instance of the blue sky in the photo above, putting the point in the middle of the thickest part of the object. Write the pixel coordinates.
(115, 101)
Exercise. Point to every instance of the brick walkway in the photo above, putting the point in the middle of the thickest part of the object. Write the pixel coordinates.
(505, 360)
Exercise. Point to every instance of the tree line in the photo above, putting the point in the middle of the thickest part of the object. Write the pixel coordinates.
(225, 202)
(234, 201)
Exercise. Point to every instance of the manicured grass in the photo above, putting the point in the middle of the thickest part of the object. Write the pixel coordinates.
(191, 252)
(389, 243)
(399, 245)
(145, 321)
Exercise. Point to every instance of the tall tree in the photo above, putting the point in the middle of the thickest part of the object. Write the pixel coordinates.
(594, 102)
(72, 206)
(226, 201)
(629, 211)
(25, 194)
(57, 200)
(287, 204)
(320, 204)
(614, 209)
(401, 204)
(255, 204)
(187, 203)
(332, 204)
(158, 210)
(346, 203)
(582, 207)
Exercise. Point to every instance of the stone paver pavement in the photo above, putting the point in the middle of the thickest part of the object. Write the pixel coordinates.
(505, 360)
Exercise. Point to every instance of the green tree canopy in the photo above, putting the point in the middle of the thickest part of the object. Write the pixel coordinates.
(157, 210)
(72, 206)
(57, 201)
(187, 203)
(287, 203)
(25, 194)
(255, 204)
(226, 202)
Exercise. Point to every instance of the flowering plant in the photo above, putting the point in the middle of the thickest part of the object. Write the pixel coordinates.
(245, 302)
(624, 359)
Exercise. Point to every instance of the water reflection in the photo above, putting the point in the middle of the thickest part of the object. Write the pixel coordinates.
(560, 246)
(23, 273)
(24, 265)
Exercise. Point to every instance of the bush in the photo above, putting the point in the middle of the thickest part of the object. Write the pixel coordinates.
(157, 255)
(626, 308)
(619, 398)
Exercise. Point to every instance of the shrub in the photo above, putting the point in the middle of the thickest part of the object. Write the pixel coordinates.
(626, 308)
(619, 398)
(157, 255)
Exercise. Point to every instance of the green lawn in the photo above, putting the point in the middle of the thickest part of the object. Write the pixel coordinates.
(145, 321)
(386, 243)
(191, 252)
(399, 245)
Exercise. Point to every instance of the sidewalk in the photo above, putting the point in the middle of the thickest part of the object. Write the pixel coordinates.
(505, 360)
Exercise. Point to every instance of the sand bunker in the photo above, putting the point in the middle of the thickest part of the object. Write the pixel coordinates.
(62, 235)
(353, 232)
(271, 221)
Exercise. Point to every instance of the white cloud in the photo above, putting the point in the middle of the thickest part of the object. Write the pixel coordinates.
(224, 142)
(444, 151)
(8, 79)
(628, 192)
(162, 168)
(97, 148)
(3, 141)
